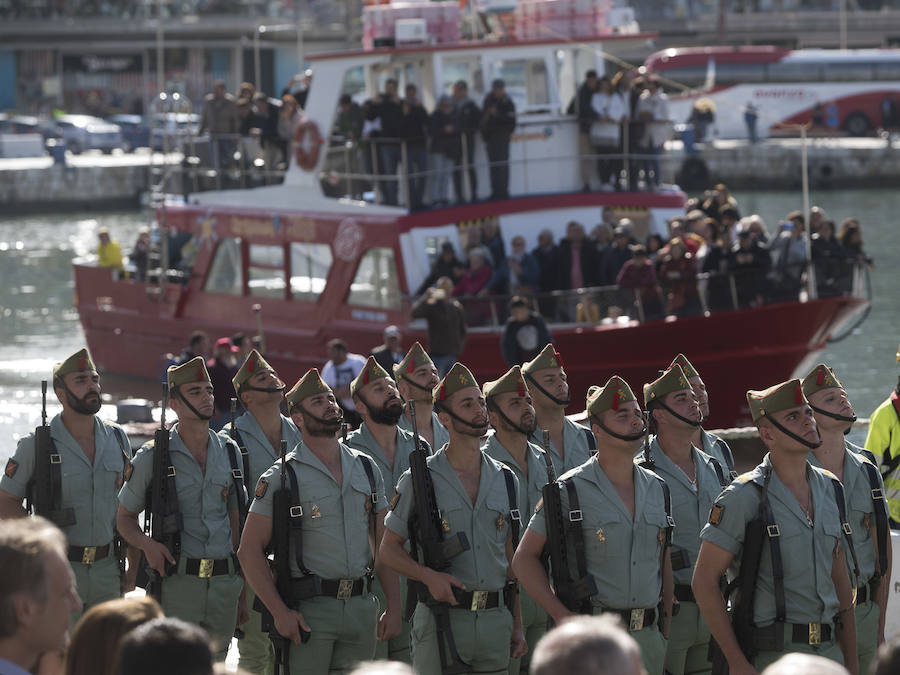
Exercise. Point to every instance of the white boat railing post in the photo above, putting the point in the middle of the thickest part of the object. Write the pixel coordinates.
(376, 177)
(464, 167)
(404, 178)
(732, 286)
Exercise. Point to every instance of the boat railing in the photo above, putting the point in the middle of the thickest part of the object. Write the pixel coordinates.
(701, 294)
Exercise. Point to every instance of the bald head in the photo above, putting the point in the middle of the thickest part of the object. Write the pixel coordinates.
(595, 645)
(804, 664)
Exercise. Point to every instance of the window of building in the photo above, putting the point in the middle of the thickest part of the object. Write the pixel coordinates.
(225, 274)
(375, 284)
(310, 264)
(266, 271)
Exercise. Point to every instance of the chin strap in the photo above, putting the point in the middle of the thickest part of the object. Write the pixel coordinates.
(622, 437)
(557, 401)
(791, 434)
(205, 418)
(442, 408)
(834, 416)
(416, 384)
(677, 416)
(515, 426)
(266, 390)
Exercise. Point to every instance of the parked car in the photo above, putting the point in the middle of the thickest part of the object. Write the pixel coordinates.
(135, 131)
(84, 132)
(28, 124)
(173, 131)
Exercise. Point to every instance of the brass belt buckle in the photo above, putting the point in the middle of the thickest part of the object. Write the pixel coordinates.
(89, 555)
(345, 589)
(815, 633)
(206, 568)
(637, 620)
(479, 600)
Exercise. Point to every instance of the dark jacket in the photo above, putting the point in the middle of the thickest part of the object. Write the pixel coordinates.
(385, 358)
(590, 264)
(391, 114)
(446, 325)
(524, 340)
(503, 121)
(611, 264)
(414, 121)
(548, 264)
(442, 268)
(444, 142)
(581, 107)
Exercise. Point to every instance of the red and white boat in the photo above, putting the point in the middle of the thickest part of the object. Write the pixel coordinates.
(322, 267)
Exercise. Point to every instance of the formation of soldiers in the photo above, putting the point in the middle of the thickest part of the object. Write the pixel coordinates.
(459, 521)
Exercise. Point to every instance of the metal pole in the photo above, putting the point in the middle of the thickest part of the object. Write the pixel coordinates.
(160, 54)
(804, 169)
(256, 66)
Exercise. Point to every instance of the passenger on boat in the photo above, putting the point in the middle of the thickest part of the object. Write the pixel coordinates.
(749, 262)
(493, 242)
(581, 107)
(414, 133)
(445, 140)
(338, 372)
(604, 133)
(446, 321)
(639, 274)
(109, 253)
(468, 120)
(816, 217)
(789, 253)
(390, 111)
(524, 333)
(497, 125)
(578, 264)
(615, 255)
(546, 253)
(391, 351)
(524, 272)
(715, 263)
(828, 257)
(274, 147)
(678, 275)
(140, 254)
(220, 120)
(653, 110)
(445, 265)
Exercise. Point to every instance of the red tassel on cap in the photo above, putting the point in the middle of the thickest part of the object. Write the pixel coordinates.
(820, 377)
(366, 376)
(798, 395)
(441, 393)
(82, 363)
(251, 365)
(521, 387)
(559, 359)
(200, 377)
(615, 401)
(412, 366)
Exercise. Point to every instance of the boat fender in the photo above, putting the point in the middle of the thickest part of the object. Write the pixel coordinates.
(307, 143)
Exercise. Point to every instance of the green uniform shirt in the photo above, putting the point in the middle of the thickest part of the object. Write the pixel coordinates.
(486, 524)
(579, 447)
(622, 554)
(884, 439)
(690, 503)
(441, 435)
(204, 498)
(860, 509)
(530, 486)
(806, 550)
(260, 452)
(712, 446)
(363, 440)
(335, 517)
(88, 488)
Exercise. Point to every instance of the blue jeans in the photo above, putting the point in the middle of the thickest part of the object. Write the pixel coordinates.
(390, 160)
(417, 165)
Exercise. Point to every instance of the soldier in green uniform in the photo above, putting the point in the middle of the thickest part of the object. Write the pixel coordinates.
(695, 480)
(89, 458)
(416, 377)
(709, 443)
(339, 499)
(571, 444)
(864, 492)
(379, 405)
(258, 433)
(472, 495)
(625, 525)
(803, 596)
(206, 586)
(511, 415)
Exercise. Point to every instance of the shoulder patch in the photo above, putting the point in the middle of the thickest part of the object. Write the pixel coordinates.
(11, 467)
(715, 514)
(261, 488)
(744, 477)
(395, 499)
(828, 473)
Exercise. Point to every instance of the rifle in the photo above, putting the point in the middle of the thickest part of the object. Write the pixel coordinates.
(427, 533)
(44, 491)
(574, 594)
(281, 547)
(165, 522)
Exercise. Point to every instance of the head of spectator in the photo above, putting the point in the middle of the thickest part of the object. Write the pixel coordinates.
(602, 235)
(799, 222)
(575, 233)
(545, 240)
(804, 664)
(604, 85)
(490, 230)
(654, 243)
(307, 78)
(519, 308)
(622, 81)
(37, 590)
(460, 90)
(412, 93)
(289, 107)
(393, 338)
(745, 240)
(824, 230)
(595, 645)
(694, 219)
(336, 350)
(447, 253)
(609, 216)
(498, 88)
(224, 351)
(443, 288)
(676, 248)
(850, 235)
(246, 90)
(94, 648)
(728, 216)
(218, 89)
(518, 247)
(723, 194)
(166, 645)
(888, 660)
(474, 236)
(621, 236)
(243, 344)
(478, 258)
(676, 228)
(757, 228)
(199, 344)
(261, 104)
(816, 216)
(445, 104)
(590, 80)
(345, 102)
(390, 88)
(383, 668)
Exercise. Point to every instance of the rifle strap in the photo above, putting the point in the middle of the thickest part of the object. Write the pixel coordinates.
(667, 503)
(729, 458)
(295, 516)
(881, 519)
(235, 434)
(591, 440)
(373, 496)
(774, 535)
(515, 518)
(574, 533)
(720, 474)
(238, 479)
(845, 526)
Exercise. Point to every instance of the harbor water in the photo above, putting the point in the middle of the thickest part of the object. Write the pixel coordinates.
(39, 325)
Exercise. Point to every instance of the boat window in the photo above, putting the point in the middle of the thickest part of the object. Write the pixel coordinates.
(225, 272)
(795, 71)
(467, 69)
(849, 71)
(526, 81)
(266, 271)
(310, 264)
(375, 284)
(887, 70)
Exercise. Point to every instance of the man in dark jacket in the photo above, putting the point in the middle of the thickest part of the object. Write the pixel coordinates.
(467, 118)
(524, 334)
(446, 324)
(391, 351)
(547, 255)
(390, 110)
(582, 109)
(497, 125)
(414, 131)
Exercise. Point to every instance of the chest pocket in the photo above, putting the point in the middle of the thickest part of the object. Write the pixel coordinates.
(861, 514)
(360, 497)
(496, 516)
(606, 534)
(321, 504)
(112, 478)
(651, 532)
(77, 480)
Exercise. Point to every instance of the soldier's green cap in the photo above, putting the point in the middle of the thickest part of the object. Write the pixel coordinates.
(192, 371)
(686, 366)
(308, 385)
(252, 365)
(511, 382)
(458, 377)
(780, 397)
(79, 361)
(548, 358)
(609, 397)
(371, 371)
(415, 358)
(673, 379)
(819, 378)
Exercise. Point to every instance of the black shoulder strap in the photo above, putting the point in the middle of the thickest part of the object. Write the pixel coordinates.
(238, 478)
(295, 532)
(729, 457)
(881, 519)
(774, 536)
(719, 473)
(592, 442)
(515, 517)
(845, 526)
(235, 434)
(667, 502)
(124, 445)
(574, 534)
(868, 454)
(373, 503)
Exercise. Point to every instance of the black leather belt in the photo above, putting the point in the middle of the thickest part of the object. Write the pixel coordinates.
(206, 567)
(684, 593)
(477, 600)
(88, 555)
(770, 638)
(866, 592)
(635, 619)
(343, 588)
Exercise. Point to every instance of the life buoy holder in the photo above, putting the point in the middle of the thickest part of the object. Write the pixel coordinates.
(307, 143)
